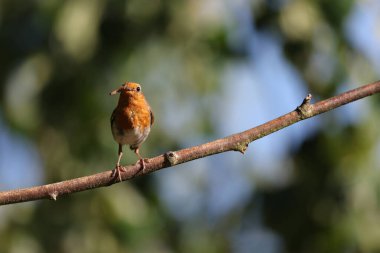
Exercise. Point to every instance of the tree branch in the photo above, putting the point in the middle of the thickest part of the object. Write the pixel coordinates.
(236, 142)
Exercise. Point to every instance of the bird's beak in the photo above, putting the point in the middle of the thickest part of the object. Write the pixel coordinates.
(116, 91)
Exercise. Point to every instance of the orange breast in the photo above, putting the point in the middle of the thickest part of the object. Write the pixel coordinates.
(135, 114)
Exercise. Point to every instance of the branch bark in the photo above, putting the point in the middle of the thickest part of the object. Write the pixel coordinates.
(236, 142)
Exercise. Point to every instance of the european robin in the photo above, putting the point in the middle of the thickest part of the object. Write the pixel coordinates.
(130, 121)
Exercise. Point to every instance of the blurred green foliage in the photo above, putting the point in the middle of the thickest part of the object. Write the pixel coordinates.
(59, 60)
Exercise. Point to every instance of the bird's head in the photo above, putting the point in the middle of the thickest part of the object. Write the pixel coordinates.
(128, 88)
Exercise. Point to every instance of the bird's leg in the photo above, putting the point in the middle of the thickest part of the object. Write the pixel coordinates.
(120, 153)
(141, 160)
(119, 168)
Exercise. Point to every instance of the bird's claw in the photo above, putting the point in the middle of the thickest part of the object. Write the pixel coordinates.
(117, 172)
(142, 163)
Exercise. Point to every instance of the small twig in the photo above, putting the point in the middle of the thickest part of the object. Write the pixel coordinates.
(305, 109)
(237, 142)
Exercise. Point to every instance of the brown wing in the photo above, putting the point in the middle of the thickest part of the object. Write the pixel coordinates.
(113, 117)
(151, 117)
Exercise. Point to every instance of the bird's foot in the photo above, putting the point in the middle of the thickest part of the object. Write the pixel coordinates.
(142, 162)
(117, 172)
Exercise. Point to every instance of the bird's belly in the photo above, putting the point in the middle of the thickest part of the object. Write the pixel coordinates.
(133, 137)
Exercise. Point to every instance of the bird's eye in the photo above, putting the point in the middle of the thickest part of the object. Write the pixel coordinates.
(138, 88)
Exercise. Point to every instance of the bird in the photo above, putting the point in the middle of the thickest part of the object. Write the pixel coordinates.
(131, 121)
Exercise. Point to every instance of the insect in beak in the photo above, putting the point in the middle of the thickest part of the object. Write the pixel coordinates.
(118, 90)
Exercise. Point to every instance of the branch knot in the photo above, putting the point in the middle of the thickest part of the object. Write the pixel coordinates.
(241, 147)
(305, 109)
(172, 157)
(53, 195)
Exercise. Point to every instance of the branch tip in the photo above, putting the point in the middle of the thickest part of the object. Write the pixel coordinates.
(307, 99)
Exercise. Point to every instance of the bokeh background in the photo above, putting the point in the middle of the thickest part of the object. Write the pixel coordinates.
(209, 69)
